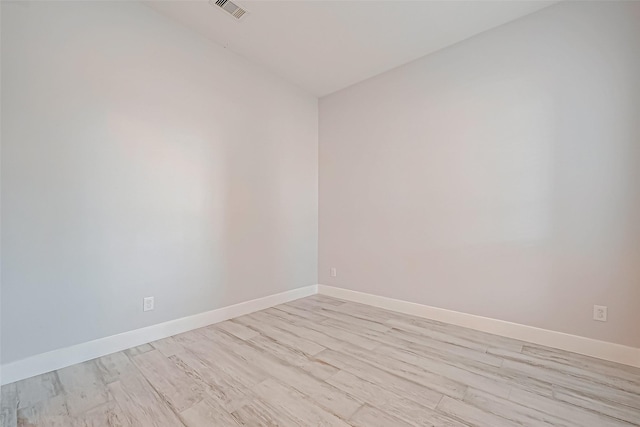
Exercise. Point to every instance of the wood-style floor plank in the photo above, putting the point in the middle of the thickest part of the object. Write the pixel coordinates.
(296, 406)
(391, 403)
(8, 405)
(259, 414)
(321, 392)
(51, 412)
(571, 413)
(207, 412)
(337, 337)
(217, 383)
(603, 406)
(511, 411)
(173, 384)
(108, 415)
(34, 390)
(472, 415)
(368, 416)
(238, 330)
(294, 357)
(83, 387)
(141, 404)
(322, 361)
(113, 367)
(168, 346)
(287, 338)
(396, 384)
(319, 334)
(141, 349)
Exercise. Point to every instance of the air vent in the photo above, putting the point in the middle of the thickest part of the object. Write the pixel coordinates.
(230, 7)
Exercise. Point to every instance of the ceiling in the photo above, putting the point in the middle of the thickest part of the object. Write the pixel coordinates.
(324, 46)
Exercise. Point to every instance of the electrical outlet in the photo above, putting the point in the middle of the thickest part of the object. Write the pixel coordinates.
(600, 313)
(334, 272)
(147, 304)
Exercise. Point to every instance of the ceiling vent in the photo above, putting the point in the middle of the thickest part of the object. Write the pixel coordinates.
(230, 7)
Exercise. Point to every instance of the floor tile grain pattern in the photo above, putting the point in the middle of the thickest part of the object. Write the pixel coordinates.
(321, 361)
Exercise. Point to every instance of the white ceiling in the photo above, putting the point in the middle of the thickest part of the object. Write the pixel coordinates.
(324, 46)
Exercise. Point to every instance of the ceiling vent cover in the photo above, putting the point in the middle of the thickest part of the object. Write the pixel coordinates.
(230, 7)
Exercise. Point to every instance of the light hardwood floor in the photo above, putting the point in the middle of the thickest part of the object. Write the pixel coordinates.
(325, 362)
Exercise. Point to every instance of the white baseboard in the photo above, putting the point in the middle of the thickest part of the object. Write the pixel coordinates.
(63, 357)
(573, 343)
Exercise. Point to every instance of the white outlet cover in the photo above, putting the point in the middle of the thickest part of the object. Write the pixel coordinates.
(600, 313)
(147, 304)
(334, 272)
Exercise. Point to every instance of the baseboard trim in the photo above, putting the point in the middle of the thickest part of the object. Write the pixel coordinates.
(63, 357)
(573, 343)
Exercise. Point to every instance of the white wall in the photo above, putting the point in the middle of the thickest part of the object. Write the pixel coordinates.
(498, 177)
(139, 159)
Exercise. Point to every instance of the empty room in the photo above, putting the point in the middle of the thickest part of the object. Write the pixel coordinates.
(320, 213)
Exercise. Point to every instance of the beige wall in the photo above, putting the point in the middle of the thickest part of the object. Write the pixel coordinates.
(139, 159)
(498, 177)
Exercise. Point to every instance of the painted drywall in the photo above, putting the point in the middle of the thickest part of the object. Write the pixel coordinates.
(139, 159)
(498, 177)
